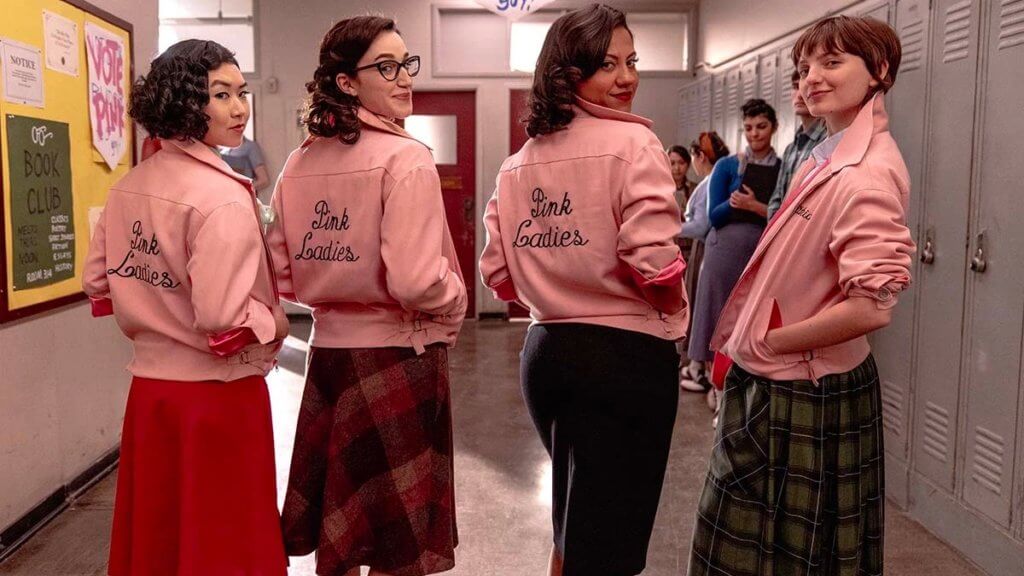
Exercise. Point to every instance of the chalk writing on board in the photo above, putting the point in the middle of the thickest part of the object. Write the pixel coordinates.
(41, 201)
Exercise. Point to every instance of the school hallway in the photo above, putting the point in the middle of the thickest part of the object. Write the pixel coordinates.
(502, 480)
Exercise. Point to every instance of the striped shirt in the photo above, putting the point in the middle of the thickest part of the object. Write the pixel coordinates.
(795, 154)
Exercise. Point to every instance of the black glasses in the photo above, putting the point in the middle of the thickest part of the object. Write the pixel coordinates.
(389, 69)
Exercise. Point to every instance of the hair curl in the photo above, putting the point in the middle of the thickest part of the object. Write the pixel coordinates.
(757, 107)
(711, 146)
(573, 51)
(330, 112)
(170, 100)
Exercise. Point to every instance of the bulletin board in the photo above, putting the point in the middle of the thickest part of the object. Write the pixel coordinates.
(65, 138)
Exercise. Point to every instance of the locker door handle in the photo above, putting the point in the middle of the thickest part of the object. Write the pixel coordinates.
(928, 251)
(978, 262)
(467, 209)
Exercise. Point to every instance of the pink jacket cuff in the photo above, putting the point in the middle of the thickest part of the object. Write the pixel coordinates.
(668, 276)
(231, 342)
(101, 306)
(505, 290)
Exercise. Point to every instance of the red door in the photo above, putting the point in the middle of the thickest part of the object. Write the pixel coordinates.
(517, 106)
(457, 167)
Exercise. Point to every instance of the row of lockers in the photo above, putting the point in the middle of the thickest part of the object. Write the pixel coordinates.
(951, 360)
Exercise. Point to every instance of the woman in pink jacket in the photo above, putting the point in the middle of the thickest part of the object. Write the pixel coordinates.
(361, 238)
(581, 230)
(178, 257)
(796, 479)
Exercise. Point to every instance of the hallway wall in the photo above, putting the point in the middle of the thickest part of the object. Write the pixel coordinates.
(727, 28)
(63, 384)
(287, 47)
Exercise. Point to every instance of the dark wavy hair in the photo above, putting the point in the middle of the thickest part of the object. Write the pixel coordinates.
(757, 107)
(573, 51)
(169, 100)
(332, 113)
(681, 151)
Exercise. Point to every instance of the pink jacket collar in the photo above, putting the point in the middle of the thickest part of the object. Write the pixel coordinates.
(870, 121)
(204, 154)
(609, 114)
(371, 120)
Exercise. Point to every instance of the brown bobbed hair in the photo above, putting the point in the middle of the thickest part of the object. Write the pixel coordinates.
(330, 112)
(573, 51)
(872, 40)
(711, 146)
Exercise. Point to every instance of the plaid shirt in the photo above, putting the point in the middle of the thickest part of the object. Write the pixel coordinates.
(794, 156)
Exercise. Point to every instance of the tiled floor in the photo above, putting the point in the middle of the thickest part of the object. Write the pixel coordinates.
(502, 481)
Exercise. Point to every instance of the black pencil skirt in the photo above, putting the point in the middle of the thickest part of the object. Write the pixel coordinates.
(604, 403)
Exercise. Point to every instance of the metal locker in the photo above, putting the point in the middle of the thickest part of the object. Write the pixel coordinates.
(687, 103)
(767, 88)
(718, 106)
(879, 12)
(733, 122)
(787, 119)
(748, 80)
(950, 124)
(996, 305)
(894, 345)
(703, 106)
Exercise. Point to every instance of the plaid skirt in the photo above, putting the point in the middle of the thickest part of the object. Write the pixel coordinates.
(371, 479)
(795, 484)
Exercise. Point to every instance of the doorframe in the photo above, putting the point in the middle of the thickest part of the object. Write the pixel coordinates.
(478, 170)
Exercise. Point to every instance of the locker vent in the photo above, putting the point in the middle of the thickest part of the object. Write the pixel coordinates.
(987, 468)
(892, 408)
(957, 37)
(719, 96)
(749, 76)
(732, 91)
(705, 103)
(913, 45)
(768, 80)
(1011, 24)
(936, 431)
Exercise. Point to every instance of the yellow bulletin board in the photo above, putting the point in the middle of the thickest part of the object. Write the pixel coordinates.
(58, 182)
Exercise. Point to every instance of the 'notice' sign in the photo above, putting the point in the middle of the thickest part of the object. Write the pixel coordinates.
(514, 9)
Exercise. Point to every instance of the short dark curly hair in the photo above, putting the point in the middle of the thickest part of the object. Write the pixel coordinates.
(757, 107)
(573, 51)
(332, 113)
(169, 100)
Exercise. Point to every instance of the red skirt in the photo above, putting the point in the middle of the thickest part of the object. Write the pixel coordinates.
(196, 488)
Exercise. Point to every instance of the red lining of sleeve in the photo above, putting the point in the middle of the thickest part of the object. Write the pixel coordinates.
(101, 307)
(231, 342)
(505, 290)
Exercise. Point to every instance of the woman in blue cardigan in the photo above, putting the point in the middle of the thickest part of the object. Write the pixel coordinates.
(738, 194)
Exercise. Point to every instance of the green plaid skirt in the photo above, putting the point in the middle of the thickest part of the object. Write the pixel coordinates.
(795, 485)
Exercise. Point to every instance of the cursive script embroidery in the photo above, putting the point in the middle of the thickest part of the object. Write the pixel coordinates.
(143, 272)
(549, 236)
(329, 251)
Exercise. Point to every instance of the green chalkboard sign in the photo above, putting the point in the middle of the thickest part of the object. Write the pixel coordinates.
(42, 214)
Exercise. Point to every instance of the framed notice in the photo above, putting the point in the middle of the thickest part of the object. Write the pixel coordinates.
(65, 139)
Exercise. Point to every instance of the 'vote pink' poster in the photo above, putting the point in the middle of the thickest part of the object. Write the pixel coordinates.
(105, 54)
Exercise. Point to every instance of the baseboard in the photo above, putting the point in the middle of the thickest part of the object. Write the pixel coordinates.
(13, 536)
(984, 543)
(492, 316)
